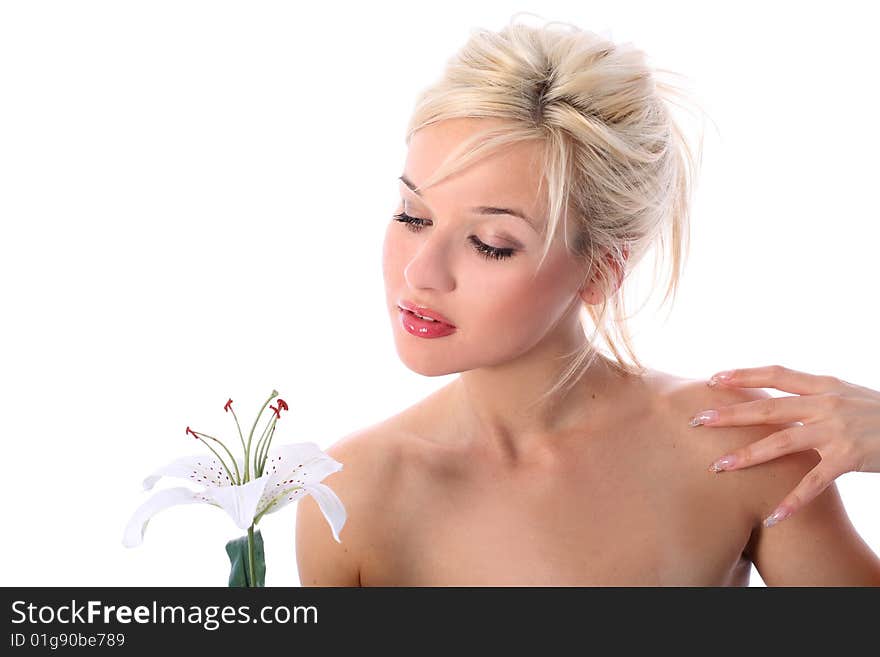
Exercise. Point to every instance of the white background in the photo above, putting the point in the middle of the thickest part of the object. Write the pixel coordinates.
(190, 192)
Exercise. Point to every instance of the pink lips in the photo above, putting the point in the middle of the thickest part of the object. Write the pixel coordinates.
(423, 311)
(423, 328)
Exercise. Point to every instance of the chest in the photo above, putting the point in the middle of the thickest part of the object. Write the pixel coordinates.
(586, 522)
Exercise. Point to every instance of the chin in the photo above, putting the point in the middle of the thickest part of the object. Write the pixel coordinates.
(427, 368)
(433, 373)
(436, 364)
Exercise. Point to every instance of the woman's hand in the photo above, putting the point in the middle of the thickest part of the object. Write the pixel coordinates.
(838, 419)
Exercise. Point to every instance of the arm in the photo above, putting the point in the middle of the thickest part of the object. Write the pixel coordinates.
(321, 561)
(818, 545)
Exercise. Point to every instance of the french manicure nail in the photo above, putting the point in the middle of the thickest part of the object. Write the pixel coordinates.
(723, 463)
(703, 417)
(720, 376)
(781, 513)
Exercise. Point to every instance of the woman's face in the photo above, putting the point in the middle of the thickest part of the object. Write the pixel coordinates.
(499, 308)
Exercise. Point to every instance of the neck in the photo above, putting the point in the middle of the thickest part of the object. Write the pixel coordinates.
(499, 408)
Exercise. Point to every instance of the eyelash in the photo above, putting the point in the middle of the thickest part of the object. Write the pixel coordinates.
(415, 224)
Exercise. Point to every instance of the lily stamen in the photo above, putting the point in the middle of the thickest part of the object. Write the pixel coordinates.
(262, 461)
(227, 408)
(258, 450)
(247, 450)
(282, 406)
(263, 447)
(237, 478)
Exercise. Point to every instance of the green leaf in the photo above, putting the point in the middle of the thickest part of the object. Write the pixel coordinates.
(237, 549)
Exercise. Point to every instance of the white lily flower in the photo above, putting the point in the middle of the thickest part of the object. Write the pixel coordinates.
(291, 472)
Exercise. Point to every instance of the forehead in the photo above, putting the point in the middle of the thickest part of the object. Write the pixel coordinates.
(511, 173)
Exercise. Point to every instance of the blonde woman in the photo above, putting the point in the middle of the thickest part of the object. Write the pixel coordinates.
(541, 169)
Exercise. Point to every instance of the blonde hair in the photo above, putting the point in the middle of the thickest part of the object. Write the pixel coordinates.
(618, 168)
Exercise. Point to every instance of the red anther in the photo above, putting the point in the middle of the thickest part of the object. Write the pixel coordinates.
(188, 430)
(282, 405)
(228, 406)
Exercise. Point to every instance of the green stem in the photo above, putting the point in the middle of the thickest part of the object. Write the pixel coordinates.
(252, 579)
(247, 451)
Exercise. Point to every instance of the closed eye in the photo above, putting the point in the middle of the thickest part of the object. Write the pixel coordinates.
(415, 224)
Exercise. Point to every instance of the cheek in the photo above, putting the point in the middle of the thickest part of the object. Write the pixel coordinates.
(525, 296)
(522, 308)
(393, 255)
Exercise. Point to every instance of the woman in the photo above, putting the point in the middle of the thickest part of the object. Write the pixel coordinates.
(540, 170)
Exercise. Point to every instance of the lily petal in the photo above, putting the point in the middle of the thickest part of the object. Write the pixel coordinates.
(202, 470)
(331, 506)
(240, 502)
(290, 469)
(134, 531)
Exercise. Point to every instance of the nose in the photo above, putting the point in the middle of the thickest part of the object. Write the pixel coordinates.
(429, 266)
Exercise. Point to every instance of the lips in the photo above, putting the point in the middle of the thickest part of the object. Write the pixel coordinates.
(424, 311)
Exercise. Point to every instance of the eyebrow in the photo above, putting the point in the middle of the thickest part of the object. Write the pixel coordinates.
(480, 209)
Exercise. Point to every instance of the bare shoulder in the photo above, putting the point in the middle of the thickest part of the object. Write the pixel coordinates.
(369, 458)
(818, 545)
(758, 487)
(684, 398)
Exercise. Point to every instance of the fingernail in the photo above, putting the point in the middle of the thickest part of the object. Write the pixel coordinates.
(715, 379)
(703, 417)
(723, 463)
(781, 513)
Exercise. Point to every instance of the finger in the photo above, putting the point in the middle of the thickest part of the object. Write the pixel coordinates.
(786, 441)
(779, 377)
(772, 410)
(813, 483)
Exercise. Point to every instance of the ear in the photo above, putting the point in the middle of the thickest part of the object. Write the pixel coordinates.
(591, 292)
